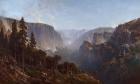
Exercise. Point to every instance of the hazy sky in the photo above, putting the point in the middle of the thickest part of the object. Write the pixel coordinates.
(72, 14)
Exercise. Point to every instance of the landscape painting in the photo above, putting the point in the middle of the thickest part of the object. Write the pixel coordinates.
(69, 41)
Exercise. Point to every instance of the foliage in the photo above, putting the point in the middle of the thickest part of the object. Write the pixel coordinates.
(22, 34)
(32, 41)
(13, 39)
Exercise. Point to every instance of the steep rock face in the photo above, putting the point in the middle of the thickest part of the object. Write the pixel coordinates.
(46, 36)
(90, 52)
(92, 56)
(98, 36)
(85, 57)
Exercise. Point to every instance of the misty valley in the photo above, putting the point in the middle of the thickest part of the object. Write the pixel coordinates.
(36, 53)
(69, 42)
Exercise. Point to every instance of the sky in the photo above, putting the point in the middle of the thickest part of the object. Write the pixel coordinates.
(72, 14)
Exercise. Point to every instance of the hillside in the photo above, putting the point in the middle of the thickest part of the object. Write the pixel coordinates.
(21, 62)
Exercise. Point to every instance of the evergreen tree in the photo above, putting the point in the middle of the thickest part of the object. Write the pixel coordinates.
(13, 39)
(32, 41)
(22, 39)
(6, 42)
(22, 34)
(31, 48)
(2, 37)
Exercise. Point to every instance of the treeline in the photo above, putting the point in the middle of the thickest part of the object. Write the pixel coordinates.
(17, 44)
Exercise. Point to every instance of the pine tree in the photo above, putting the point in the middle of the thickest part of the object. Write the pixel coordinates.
(22, 34)
(2, 37)
(31, 47)
(22, 39)
(13, 39)
(6, 42)
(32, 41)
